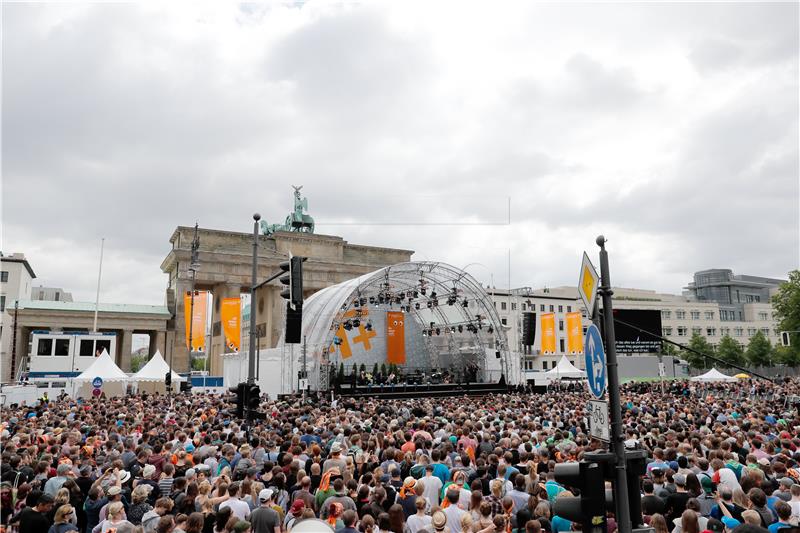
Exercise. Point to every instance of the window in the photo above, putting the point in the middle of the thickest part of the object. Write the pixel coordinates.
(2, 303)
(58, 296)
(763, 316)
(725, 331)
(523, 306)
(504, 321)
(569, 309)
(494, 304)
(513, 306)
(560, 308)
(680, 315)
(103, 345)
(666, 314)
(561, 345)
(62, 347)
(560, 325)
(666, 332)
(709, 315)
(4, 276)
(737, 332)
(681, 331)
(541, 308)
(86, 348)
(751, 332)
(697, 331)
(695, 315)
(45, 347)
(741, 316)
(551, 308)
(41, 295)
(503, 306)
(765, 331)
(723, 314)
(711, 332)
(544, 365)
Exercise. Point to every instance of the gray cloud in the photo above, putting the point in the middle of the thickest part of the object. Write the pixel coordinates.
(672, 128)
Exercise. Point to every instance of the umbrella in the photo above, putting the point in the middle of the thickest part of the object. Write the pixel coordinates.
(742, 376)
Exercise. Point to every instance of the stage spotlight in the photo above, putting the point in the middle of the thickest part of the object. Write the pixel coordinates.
(460, 328)
(433, 324)
(452, 329)
(436, 303)
(372, 299)
(430, 333)
(416, 305)
(424, 333)
(490, 330)
(430, 304)
(356, 303)
(416, 294)
(348, 325)
(438, 331)
(363, 301)
(423, 290)
(337, 341)
(368, 327)
(433, 295)
(465, 303)
(356, 323)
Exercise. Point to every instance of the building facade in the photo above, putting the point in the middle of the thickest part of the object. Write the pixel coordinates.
(732, 292)
(50, 294)
(16, 280)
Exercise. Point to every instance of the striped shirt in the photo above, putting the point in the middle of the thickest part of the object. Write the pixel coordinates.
(165, 485)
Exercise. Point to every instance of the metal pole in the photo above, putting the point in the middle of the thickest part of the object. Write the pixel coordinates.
(193, 269)
(97, 297)
(617, 445)
(251, 363)
(14, 346)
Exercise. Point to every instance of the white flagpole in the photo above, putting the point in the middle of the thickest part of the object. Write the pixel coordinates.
(99, 274)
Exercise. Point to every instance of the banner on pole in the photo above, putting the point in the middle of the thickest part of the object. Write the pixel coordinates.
(230, 311)
(574, 333)
(395, 337)
(198, 319)
(548, 333)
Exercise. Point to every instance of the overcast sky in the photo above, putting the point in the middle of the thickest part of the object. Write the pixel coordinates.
(671, 128)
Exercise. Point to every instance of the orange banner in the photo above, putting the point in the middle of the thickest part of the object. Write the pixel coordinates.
(548, 333)
(574, 333)
(198, 324)
(395, 338)
(230, 311)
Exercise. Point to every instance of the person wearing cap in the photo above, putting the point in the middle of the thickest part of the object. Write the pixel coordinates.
(114, 495)
(265, 519)
(439, 522)
(706, 499)
(63, 473)
(148, 473)
(675, 503)
(335, 460)
(34, 518)
(295, 513)
(784, 491)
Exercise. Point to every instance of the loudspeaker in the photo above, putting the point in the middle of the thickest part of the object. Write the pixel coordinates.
(528, 329)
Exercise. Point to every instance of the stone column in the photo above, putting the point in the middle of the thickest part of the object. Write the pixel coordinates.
(157, 343)
(180, 354)
(124, 350)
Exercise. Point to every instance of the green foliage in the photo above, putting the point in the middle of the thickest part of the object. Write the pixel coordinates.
(362, 368)
(730, 351)
(137, 362)
(375, 370)
(199, 363)
(700, 344)
(383, 369)
(786, 303)
(759, 350)
(668, 349)
(341, 372)
(786, 356)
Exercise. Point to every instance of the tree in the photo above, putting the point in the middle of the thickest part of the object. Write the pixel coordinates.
(786, 303)
(199, 363)
(699, 344)
(375, 370)
(668, 349)
(730, 351)
(137, 362)
(341, 372)
(786, 355)
(759, 350)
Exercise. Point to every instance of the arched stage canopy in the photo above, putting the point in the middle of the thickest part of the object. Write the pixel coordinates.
(448, 322)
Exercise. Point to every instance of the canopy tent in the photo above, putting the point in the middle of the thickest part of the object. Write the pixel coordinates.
(565, 369)
(151, 377)
(155, 370)
(742, 375)
(114, 379)
(713, 375)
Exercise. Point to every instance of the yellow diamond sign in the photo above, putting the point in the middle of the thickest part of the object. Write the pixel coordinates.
(587, 284)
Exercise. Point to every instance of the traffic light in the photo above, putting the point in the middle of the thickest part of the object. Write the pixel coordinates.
(252, 400)
(239, 390)
(589, 509)
(293, 293)
(635, 468)
(168, 379)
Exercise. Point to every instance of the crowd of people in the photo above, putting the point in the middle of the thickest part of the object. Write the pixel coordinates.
(184, 464)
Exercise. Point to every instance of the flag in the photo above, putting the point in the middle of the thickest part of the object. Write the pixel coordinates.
(231, 316)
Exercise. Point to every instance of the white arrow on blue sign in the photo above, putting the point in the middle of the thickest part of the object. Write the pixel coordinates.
(97, 382)
(595, 361)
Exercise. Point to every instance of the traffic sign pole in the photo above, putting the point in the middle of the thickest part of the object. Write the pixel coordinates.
(617, 444)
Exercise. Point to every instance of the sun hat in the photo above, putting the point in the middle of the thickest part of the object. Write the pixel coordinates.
(438, 520)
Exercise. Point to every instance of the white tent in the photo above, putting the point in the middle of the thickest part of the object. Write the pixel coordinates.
(565, 369)
(155, 370)
(713, 375)
(114, 379)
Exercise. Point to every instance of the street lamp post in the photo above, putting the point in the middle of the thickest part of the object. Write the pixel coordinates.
(193, 266)
(251, 361)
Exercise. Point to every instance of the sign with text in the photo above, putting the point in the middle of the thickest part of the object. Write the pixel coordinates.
(630, 338)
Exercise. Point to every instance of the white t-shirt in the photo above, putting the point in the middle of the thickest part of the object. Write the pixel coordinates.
(239, 508)
(433, 487)
(416, 522)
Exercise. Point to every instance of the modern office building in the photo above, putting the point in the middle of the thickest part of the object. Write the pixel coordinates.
(50, 294)
(732, 292)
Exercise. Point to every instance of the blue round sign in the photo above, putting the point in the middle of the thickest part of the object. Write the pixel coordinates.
(595, 361)
(97, 382)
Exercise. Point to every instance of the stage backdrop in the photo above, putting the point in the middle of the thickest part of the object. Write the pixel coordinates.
(395, 338)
